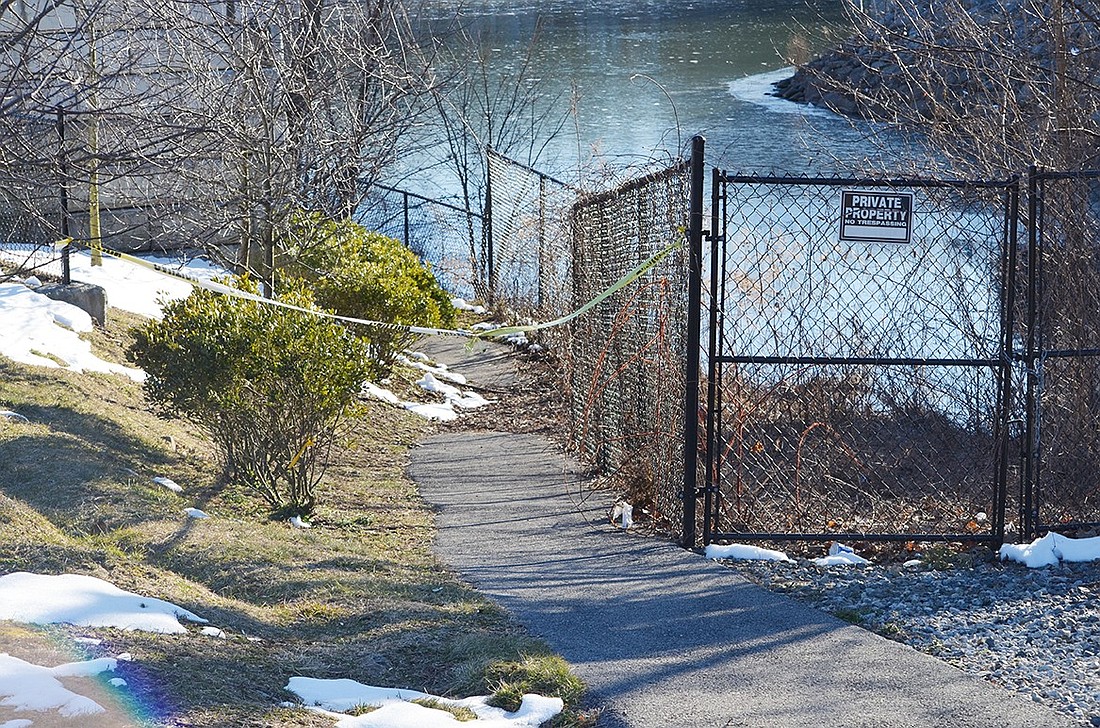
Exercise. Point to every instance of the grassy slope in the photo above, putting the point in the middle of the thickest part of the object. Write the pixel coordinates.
(359, 595)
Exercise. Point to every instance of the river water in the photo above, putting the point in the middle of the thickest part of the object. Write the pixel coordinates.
(646, 75)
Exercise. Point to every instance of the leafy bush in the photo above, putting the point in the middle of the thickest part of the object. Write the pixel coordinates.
(270, 385)
(366, 275)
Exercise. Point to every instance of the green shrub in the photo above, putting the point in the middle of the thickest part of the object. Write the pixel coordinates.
(366, 275)
(270, 385)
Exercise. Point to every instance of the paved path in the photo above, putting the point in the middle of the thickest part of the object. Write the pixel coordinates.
(663, 637)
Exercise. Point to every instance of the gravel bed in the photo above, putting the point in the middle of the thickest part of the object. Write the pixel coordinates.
(1035, 631)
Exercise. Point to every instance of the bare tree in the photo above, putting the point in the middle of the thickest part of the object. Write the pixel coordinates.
(989, 86)
(482, 107)
(295, 105)
(213, 121)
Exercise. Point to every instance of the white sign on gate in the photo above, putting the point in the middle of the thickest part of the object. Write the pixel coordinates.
(872, 216)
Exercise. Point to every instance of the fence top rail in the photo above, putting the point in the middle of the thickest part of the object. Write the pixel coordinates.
(1080, 174)
(528, 168)
(866, 181)
(422, 198)
(634, 184)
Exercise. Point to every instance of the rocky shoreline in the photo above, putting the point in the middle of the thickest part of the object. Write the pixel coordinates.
(1033, 631)
(911, 65)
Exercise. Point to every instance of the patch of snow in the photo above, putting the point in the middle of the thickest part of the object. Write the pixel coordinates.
(297, 522)
(373, 390)
(168, 483)
(841, 555)
(117, 682)
(140, 290)
(32, 281)
(430, 384)
(196, 513)
(461, 304)
(744, 552)
(432, 411)
(43, 332)
(396, 711)
(470, 400)
(86, 601)
(14, 417)
(912, 563)
(17, 723)
(439, 370)
(517, 339)
(1051, 549)
(215, 633)
(344, 694)
(26, 686)
(451, 394)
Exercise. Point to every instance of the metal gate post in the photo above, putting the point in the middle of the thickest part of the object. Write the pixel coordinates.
(487, 234)
(1028, 502)
(1009, 266)
(714, 325)
(691, 365)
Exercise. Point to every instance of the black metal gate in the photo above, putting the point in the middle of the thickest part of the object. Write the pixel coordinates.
(1058, 346)
(859, 369)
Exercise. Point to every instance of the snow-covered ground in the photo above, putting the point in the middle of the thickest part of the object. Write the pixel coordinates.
(43, 332)
(1050, 550)
(85, 601)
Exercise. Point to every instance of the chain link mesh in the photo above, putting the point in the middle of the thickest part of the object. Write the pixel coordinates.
(627, 355)
(446, 236)
(861, 388)
(26, 247)
(1069, 348)
(532, 263)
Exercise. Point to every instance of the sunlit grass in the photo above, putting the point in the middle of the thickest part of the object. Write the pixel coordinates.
(359, 595)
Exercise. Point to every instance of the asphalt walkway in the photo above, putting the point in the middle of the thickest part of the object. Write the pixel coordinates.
(663, 637)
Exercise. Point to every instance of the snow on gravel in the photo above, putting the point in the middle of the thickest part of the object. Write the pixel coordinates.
(1032, 630)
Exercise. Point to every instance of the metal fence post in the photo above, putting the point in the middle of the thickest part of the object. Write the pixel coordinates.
(487, 234)
(405, 217)
(691, 365)
(1028, 505)
(63, 202)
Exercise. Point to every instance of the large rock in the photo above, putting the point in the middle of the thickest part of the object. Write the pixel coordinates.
(85, 296)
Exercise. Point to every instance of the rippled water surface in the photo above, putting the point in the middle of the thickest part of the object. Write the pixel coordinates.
(648, 75)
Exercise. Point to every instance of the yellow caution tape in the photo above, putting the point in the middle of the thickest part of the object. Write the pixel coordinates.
(302, 451)
(215, 287)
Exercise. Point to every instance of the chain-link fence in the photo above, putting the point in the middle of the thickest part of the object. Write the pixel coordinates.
(529, 259)
(1061, 485)
(857, 386)
(626, 356)
(448, 237)
(27, 248)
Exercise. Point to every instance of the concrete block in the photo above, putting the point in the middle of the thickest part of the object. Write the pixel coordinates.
(92, 299)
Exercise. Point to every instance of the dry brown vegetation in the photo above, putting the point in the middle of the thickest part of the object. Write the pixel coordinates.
(359, 595)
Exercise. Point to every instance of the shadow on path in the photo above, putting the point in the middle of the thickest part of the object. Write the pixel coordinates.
(663, 637)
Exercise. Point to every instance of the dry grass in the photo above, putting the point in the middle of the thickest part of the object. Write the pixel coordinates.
(360, 595)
